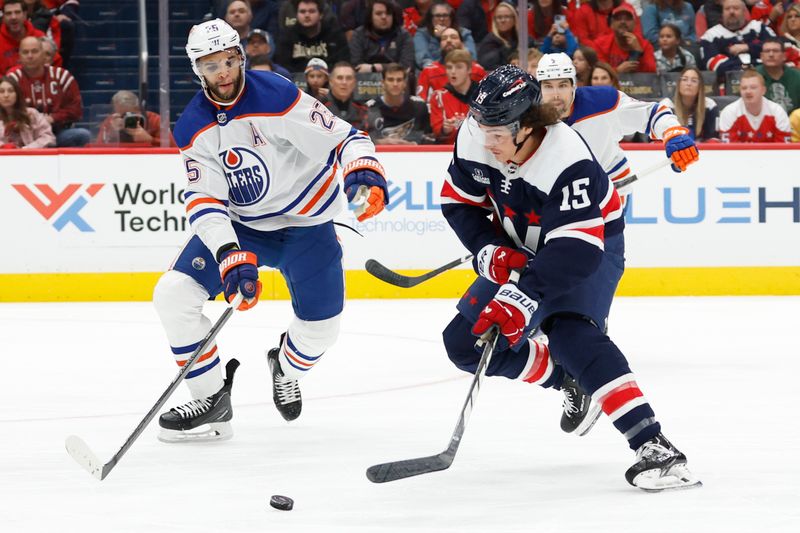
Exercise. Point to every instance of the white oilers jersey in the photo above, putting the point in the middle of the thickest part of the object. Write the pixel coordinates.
(270, 160)
(604, 115)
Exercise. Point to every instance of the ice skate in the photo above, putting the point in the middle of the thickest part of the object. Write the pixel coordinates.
(285, 391)
(580, 413)
(210, 416)
(660, 466)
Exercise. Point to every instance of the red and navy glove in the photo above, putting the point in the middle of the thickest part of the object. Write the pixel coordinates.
(363, 180)
(495, 263)
(239, 272)
(511, 310)
(680, 148)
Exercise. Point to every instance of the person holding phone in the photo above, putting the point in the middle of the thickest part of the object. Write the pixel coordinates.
(128, 125)
(560, 38)
(624, 49)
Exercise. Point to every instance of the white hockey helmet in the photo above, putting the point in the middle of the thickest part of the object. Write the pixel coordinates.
(208, 38)
(556, 67)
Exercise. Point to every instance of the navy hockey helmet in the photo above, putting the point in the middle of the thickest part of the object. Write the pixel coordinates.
(503, 96)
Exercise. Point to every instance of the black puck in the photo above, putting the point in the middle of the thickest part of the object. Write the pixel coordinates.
(284, 503)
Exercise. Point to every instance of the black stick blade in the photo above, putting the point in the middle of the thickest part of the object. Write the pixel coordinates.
(410, 467)
(388, 276)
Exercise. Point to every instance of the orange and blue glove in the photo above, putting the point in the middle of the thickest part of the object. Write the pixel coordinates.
(239, 272)
(364, 181)
(680, 147)
(511, 310)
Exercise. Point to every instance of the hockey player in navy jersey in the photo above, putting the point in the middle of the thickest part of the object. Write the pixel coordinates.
(264, 163)
(603, 115)
(558, 220)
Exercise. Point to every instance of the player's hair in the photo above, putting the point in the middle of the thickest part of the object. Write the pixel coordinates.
(459, 56)
(752, 73)
(18, 114)
(539, 116)
(785, 23)
(612, 73)
(513, 11)
(388, 68)
(699, 108)
(675, 30)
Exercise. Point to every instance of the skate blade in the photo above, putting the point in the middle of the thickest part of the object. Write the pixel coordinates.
(677, 477)
(216, 432)
(591, 419)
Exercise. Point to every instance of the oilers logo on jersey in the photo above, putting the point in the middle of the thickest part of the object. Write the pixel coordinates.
(247, 175)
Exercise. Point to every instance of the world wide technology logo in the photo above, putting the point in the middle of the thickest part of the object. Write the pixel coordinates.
(72, 199)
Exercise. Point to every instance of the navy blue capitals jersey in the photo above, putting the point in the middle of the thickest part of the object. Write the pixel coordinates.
(559, 205)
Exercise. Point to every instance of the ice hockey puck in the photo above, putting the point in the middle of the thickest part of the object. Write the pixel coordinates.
(284, 503)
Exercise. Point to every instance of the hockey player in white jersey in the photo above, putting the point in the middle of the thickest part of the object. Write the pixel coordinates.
(603, 115)
(264, 163)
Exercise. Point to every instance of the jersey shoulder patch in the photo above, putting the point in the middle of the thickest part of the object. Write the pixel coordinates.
(591, 101)
(197, 116)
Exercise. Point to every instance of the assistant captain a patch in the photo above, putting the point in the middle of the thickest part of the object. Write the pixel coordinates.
(247, 175)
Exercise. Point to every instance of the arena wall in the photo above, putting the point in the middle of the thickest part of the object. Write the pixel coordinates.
(87, 225)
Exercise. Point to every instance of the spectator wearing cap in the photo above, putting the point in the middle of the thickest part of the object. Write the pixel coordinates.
(783, 83)
(381, 39)
(14, 27)
(340, 99)
(591, 20)
(239, 15)
(450, 105)
(317, 78)
(128, 126)
(754, 118)
(434, 76)
(624, 49)
(310, 37)
(679, 13)
(259, 42)
(52, 91)
(734, 42)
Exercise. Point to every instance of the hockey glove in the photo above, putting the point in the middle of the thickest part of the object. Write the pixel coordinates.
(511, 310)
(495, 263)
(680, 148)
(364, 181)
(239, 272)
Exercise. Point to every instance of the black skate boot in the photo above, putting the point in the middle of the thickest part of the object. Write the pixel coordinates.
(580, 413)
(285, 391)
(660, 466)
(215, 411)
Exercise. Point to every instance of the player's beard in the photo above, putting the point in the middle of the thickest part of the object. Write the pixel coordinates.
(237, 85)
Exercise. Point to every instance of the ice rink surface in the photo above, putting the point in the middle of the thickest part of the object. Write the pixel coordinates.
(721, 374)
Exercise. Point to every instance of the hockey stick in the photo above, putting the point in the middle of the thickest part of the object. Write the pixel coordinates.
(424, 465)
(85, 457)
(393, 278)
(633, 178)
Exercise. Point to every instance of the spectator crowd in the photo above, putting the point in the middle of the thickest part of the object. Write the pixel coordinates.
(404, 70)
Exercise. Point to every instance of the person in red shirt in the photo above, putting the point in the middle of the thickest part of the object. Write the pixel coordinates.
(128, 126)
(412, 16)
(434, 76)
(52, 91)
(625, 49)
(754, 118)
(591, 20)
(450, 105)
(15, 27)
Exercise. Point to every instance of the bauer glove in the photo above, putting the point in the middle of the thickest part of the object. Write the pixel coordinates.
(239, 272)
(511, 310)
(495, 263)
(364, 182)
(680, 148)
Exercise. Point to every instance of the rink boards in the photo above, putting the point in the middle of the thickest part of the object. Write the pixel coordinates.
(103, 224)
